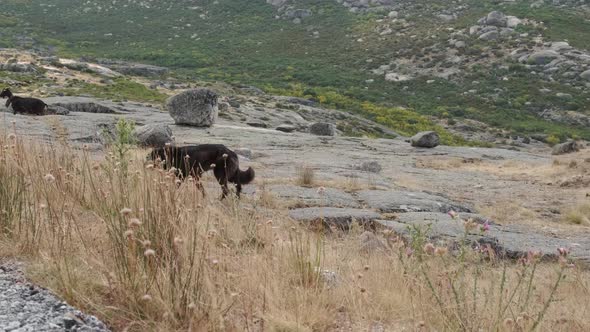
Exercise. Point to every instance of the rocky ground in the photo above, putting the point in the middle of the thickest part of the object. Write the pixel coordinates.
(522, 194)
(25, 307)
(407, 185)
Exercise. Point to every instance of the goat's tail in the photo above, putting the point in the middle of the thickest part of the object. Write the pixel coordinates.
(247, 176)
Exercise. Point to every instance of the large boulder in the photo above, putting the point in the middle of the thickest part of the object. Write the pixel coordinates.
(567, 147)
(490, 35)
(197, 107)
(153, 135)
(425, 139)
(542, 57)
(513, 22)
(322, 129)
(496, 18)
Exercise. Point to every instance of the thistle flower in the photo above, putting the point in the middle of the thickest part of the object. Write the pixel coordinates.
(126, 211)
(146, 243)
(49, 178)
(224, 155)
(453, 214)
(429, 248)
(128, 234)
(321, 190)
(178, 241)
(485, 227)
(214, 262)
(534, 255)
(187, 157)
(212, 165)
(134, 222)
(441, 251)
(146, 298)
(149, 253)
(563, 251)
(43, 206)
(168, 144)
(192, 306)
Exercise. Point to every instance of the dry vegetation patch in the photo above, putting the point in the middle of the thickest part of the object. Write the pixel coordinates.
(127, 242)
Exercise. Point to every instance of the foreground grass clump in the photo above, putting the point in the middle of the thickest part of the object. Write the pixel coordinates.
(122, 240)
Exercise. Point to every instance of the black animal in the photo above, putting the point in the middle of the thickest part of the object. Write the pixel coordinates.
(194, 160)
(22, 104)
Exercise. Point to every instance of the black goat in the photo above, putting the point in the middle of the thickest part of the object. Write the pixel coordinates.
(22, 104)
(196, 159)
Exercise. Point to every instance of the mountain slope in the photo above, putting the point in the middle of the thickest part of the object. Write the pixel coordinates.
(342, 53)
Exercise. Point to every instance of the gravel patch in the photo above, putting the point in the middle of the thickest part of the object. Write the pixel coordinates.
(26, 307)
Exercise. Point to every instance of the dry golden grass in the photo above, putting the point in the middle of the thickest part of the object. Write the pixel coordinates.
(509, 212)
(124, 242)
(562, 167)
(305, 176)
(579, 214)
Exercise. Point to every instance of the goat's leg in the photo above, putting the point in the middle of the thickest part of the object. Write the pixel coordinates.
(238, 190)
(224, 187)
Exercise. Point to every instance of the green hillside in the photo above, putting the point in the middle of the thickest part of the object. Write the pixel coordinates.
(328, 56)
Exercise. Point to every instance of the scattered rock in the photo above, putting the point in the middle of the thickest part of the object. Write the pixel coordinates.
(496, 18)
(197, 107)
(585, 75)
(542, 57)
(313, 197)
(370, 166)
(89, 106)
(340, 217)
(322, 129)
(154, 135)
(257, 124)
(58, 110)
(560, 46)
(564, 148)
(18, 67)
(510, 241)
(490, 35)
(513, 22)
(286, 128)
(425, 139)
(408, 201)
(301, 101)
(395, 77)
(223, 107)
(134, 69)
